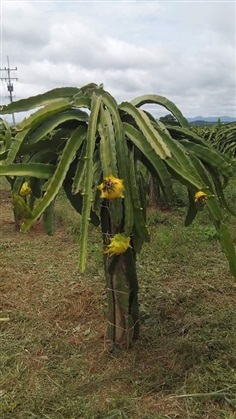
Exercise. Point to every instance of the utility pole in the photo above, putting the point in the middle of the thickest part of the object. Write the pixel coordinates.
(9, 79)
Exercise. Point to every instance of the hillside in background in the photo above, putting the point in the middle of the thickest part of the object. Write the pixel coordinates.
(201, 120)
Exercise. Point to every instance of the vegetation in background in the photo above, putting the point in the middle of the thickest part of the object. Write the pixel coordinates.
(221, 136)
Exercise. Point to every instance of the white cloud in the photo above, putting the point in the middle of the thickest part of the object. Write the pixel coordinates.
(182, 50)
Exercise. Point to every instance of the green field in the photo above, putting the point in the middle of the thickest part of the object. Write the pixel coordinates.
(55, 358)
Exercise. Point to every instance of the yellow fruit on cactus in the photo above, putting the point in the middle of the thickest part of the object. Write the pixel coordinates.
(118, 245)
(111, 188)
(25, 189)
(200, 197)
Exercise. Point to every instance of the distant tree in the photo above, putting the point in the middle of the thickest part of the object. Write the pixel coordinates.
(169, 120)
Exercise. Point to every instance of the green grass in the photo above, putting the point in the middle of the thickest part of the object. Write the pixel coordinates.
(55, 359)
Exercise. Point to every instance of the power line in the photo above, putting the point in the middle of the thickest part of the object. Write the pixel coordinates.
(9, 79)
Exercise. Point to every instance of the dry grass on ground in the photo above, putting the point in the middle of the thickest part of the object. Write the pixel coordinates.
(55, 360)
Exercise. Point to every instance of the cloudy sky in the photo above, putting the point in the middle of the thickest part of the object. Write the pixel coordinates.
(184, 50)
